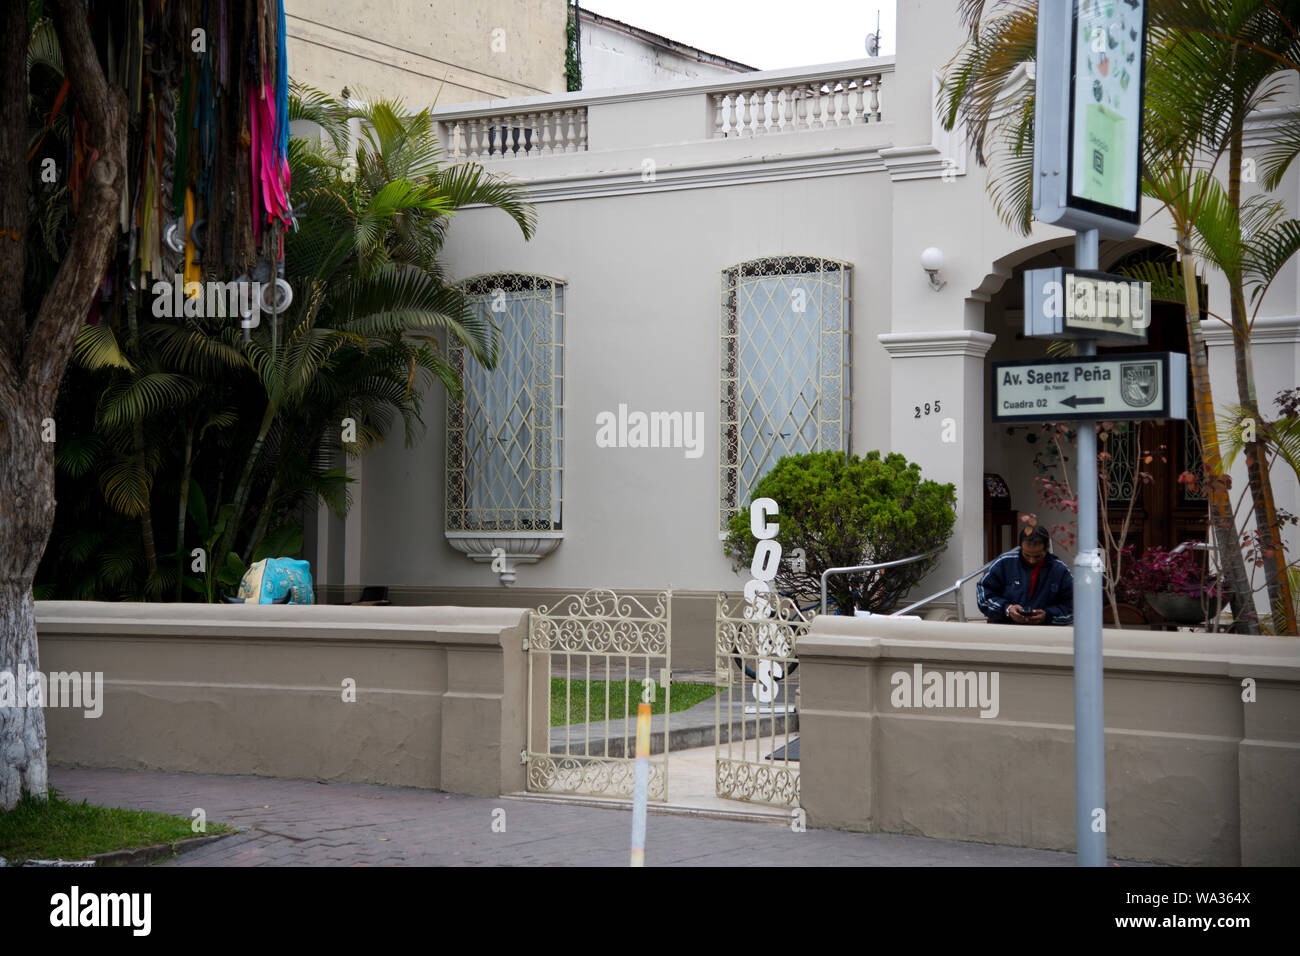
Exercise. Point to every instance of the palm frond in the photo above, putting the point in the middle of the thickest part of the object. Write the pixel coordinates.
(469, 184)
(135, 399)
(96, 348)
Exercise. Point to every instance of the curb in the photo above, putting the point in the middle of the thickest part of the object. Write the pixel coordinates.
(144, 855)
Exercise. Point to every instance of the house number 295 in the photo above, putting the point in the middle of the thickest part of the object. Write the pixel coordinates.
(928, 406)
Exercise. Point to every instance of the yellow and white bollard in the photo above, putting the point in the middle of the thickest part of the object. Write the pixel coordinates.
(640, 784)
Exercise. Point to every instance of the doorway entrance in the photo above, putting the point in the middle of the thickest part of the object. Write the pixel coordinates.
(1165, 510)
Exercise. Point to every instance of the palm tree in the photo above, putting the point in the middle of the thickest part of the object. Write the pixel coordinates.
(371, 297)
(361, 341)
(1210, 65)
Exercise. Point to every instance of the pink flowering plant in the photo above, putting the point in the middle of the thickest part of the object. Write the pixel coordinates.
(1159, 571)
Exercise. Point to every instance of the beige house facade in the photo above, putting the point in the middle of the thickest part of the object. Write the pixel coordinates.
(452, 51)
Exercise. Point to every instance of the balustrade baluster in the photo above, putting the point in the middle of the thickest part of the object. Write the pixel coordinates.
(785, 114)
(570, 133)
(498, 137)
(531, 144)
(716, 100)
(472, 145)
(875, 96)
(582, 128)
(746, 129)
(800, 93)
(544, 119)
(760, 121)
(859, 98)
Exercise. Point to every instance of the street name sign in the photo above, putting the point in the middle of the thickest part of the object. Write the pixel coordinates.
(1080, 304)
(1119, 387)
(1088, 92)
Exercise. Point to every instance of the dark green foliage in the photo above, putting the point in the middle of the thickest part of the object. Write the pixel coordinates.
(850, 512)
(572, 55)
(221, 442)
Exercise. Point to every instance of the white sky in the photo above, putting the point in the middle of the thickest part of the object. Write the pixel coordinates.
(767, 34)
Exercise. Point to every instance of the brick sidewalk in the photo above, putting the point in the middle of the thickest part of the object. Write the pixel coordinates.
(303, 823)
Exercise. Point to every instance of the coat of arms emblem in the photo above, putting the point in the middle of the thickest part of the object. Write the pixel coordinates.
(1137, 382)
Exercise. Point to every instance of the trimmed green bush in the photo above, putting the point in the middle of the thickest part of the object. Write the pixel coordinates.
(849, 510)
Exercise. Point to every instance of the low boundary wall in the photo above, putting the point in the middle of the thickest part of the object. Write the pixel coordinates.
(259, 689)
(1195, 773)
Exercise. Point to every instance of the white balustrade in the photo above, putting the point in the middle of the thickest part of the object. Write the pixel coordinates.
(788, 107)
(792, 101)
(514, 135)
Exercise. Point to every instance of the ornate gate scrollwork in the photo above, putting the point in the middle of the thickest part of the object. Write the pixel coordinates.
(757, 653)
(613, 640)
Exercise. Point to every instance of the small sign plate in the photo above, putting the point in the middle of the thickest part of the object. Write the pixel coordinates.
(1081, 304)
(1121, 387)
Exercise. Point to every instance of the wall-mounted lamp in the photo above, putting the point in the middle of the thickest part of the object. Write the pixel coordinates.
(932, 262)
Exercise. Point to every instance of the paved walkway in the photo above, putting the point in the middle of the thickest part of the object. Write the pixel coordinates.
(304, 823)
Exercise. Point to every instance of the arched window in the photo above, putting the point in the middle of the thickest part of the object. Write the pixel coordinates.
(505, 437)
(785, 383)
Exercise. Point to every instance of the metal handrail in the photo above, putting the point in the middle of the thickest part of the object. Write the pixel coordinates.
(961, 610)
(873, 567)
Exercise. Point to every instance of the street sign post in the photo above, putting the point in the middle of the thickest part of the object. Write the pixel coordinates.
(1087, 172)
(1126, 386)
(1065, 303)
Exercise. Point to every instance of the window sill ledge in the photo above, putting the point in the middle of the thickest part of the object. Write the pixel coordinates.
(517, 547)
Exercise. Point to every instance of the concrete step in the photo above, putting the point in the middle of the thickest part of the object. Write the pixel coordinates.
(687, 729)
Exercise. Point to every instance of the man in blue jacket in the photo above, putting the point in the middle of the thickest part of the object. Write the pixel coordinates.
(1029, 585)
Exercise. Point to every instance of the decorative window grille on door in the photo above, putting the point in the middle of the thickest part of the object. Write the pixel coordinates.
(505, 438)
(785, 382)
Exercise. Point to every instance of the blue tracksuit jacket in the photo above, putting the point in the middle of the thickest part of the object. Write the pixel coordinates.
(1007, 583)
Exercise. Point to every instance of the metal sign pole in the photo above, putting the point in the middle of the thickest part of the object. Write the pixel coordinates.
(1089, 715)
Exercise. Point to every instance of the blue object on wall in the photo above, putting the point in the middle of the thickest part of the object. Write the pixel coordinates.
(268, 581)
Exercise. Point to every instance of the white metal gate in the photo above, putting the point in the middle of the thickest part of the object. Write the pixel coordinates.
(757, 654)
(618, 646)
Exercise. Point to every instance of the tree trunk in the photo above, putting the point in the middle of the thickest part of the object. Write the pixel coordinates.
(1225, 533)
(26, 517)
(229, 537)
(34, 351)
(263, 519)
(184, 507)
(1261, 487)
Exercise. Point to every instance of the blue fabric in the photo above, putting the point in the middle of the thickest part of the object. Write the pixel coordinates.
(1007, 583)
(276, 577)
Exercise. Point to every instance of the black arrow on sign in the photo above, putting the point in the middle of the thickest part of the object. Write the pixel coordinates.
(1108, 319)
(1074, 401)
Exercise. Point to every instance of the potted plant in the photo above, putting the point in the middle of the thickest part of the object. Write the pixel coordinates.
(1176, 584)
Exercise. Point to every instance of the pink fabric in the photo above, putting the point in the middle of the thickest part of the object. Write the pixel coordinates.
(270, 172)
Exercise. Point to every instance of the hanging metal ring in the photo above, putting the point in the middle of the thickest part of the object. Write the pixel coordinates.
(194, 233)
(170, 238)
(282, 296)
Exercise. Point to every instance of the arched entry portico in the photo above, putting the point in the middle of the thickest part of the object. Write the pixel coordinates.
(1164, 511)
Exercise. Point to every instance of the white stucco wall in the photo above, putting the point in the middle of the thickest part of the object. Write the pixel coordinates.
(642, 260)
(613, 57)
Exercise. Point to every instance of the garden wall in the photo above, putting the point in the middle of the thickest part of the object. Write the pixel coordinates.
(1195, 775)
(259, 689)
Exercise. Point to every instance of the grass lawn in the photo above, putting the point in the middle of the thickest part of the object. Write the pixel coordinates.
(58, 829)
(683, 696)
